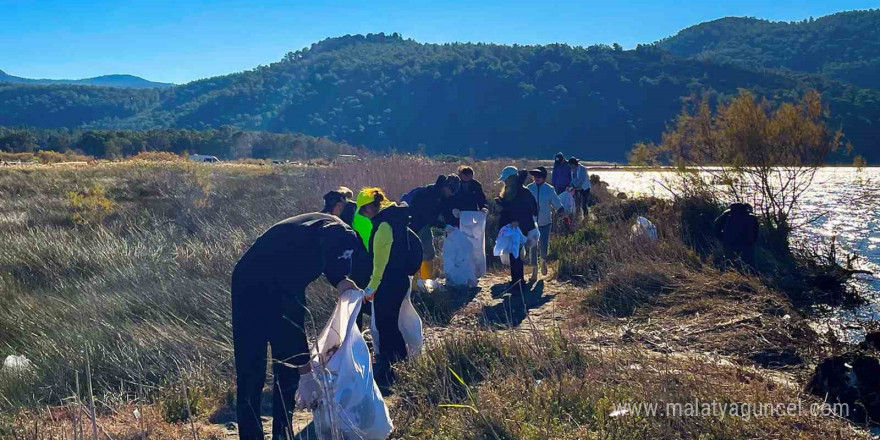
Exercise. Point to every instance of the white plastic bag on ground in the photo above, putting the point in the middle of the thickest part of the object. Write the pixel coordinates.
(644, 228)
(458, 260)
(410, 324)
(350, 405)
(473, 225)
(568, 203)
(16, 364)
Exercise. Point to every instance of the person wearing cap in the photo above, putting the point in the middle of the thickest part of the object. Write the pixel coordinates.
(561, 178)
(548, 203)
(334, 204)
(347, 214)
(395, 252)
(580, 181)
(268, 307)
(426, 211)
(516, 207)
(466, 198)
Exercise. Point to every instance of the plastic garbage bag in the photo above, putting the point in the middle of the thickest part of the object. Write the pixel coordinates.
(532, 238)
(410, 324)
(16, 364)
(348, 404)
(509, 242)
(473, 225)
(568, 203)
(458, 260)
(428, 286)
(644, 228)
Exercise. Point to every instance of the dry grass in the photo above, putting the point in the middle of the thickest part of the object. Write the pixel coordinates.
(144, 287)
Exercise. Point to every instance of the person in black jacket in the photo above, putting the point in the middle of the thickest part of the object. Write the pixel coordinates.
(338, 202)
(268, 307)
(471, 188)
(426, 211)
(469, 197)
(518, 207)
(737, 228)
(347, 214)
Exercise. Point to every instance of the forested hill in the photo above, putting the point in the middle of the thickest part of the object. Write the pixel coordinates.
(128, 81)
(844, 46)
(385, 92)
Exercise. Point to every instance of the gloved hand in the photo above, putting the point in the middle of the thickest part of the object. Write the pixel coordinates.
(369, 294)
(308, 392)
(449, 229)
(456, 213)
(485, 210)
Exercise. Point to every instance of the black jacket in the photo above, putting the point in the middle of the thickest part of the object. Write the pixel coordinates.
(296, 251)
(472, 192)
(347, 214)
(737, 226)
(462, 201)
(523, 208)
(425, 207)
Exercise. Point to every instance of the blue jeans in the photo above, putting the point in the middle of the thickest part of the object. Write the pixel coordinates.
(543, 244)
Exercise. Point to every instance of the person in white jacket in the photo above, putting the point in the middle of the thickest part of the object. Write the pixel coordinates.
(548, 203)
(580, 181)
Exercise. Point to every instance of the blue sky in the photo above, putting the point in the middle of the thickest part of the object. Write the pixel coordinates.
(179, 41)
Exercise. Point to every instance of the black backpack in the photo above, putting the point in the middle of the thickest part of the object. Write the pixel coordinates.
(413, 252)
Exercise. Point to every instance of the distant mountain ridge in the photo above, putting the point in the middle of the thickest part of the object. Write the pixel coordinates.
(844, 46)
(122, 81)
(388, 93)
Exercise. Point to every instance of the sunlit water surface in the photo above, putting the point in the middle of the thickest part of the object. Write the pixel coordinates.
(844, 203)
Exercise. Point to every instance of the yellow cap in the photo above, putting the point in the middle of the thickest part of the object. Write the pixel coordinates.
(368, 195)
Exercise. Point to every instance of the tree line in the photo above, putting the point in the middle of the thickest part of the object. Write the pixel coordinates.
(389, 93)
(227, 143)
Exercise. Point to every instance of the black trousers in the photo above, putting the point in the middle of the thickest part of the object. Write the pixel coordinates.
(392, 347)
(516, 268)
(583, 200)
(266, 312)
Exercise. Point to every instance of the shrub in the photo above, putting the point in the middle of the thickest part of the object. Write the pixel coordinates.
(157, 156)
(174, 405)
(91, 206)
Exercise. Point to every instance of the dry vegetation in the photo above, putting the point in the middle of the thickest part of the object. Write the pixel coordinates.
(130, 262)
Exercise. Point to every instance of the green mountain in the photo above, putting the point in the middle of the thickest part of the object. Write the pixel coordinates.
(843, 46)
(126, 81)
(385, 92)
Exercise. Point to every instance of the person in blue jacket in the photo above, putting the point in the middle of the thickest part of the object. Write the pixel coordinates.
(561, 177)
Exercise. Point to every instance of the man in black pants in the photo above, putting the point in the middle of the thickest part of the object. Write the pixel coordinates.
(396, 255)
(268, 306)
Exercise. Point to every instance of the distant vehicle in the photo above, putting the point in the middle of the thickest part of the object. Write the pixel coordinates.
(203, 158)
(346, 158)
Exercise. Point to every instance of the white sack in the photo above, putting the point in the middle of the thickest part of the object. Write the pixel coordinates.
(568, 203)
(473, 225)
(459, 263)
(351, 404)
(410, 324)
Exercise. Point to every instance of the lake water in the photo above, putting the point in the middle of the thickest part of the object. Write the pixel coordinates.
(845, 203)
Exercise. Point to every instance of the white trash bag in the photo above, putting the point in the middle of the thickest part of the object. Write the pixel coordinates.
(410, 324)
(509, 242)
(473, 225)
(347, 403)
(458, 260)
(568, 203)
(16, 364)
(644, 228)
